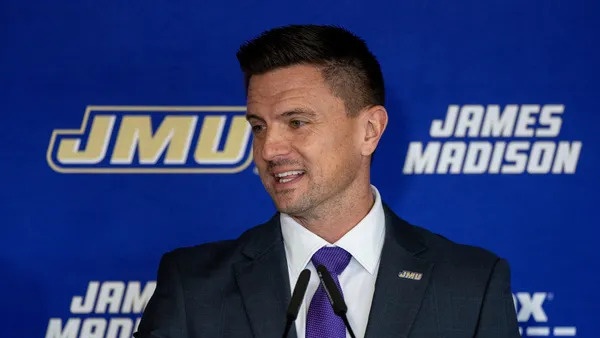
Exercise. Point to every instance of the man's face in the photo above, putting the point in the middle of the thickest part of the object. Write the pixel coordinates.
(306, 147)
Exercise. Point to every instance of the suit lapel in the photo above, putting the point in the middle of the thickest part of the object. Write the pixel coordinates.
(397, 300)
(264, 282)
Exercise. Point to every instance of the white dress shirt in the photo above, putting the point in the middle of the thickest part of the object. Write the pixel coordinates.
(364, 242)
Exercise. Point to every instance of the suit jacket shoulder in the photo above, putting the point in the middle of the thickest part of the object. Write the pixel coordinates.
(208, 259)
(200, 289)
(445, 250)
(434, 247)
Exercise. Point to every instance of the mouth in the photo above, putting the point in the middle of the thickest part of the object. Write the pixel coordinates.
(288, 176)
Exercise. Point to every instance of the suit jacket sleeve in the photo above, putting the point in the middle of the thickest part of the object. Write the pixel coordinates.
(164, 316)
(498, 317)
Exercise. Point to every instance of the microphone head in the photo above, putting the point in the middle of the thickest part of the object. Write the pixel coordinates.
(335, 296)
(298, 294)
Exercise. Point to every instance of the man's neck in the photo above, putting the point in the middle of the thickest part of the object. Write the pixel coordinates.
(332, 222)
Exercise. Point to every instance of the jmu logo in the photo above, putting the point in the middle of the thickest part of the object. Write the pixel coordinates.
(145, 139)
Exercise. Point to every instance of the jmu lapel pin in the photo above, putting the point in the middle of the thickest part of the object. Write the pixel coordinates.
(410, 275)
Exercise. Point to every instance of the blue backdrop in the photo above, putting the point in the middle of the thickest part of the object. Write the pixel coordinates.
(122, 140)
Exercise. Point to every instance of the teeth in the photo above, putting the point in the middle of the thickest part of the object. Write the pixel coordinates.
(282, 176)
(288, 173)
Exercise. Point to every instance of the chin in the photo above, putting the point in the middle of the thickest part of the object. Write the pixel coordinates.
(286, 207)
(294, 209)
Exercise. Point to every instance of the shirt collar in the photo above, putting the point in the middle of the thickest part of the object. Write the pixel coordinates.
(301, 244)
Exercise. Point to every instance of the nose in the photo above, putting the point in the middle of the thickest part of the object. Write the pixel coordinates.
(274, 144)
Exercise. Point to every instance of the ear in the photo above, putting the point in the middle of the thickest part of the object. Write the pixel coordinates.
(375, 120)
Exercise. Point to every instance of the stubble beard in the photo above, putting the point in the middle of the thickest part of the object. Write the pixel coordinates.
(295, 203)
(313, 204)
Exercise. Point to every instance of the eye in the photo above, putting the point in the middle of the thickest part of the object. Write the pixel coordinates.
(256, 128)
(297, 123)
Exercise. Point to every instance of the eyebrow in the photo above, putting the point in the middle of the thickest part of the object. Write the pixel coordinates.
(299, 111)
(287, 114)
(250, 116)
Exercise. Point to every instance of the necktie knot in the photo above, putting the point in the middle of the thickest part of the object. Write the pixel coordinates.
(334, 258)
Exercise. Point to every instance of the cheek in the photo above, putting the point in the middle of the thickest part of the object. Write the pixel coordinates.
(347, 154)
(346, 140)
(256, 150)
(333, 157)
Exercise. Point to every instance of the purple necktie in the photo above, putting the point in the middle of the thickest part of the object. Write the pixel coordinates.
(321, 322)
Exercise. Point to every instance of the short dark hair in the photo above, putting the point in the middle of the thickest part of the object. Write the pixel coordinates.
(348, 66)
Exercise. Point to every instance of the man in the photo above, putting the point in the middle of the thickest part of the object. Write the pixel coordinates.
(315, 101)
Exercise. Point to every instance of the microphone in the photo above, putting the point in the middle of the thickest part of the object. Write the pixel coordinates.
(296, 300)
(335, 296)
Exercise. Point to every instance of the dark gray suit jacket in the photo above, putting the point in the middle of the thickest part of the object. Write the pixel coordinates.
(240, 288)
